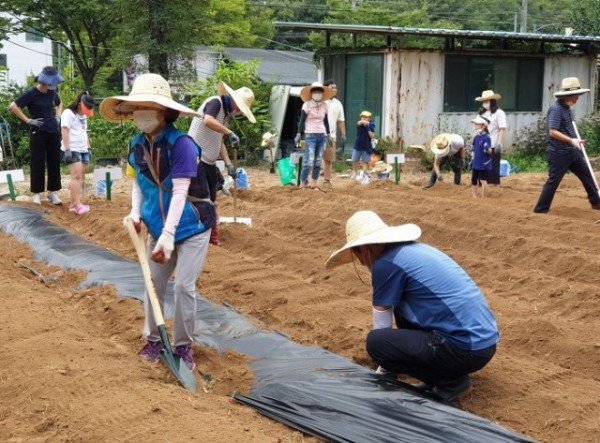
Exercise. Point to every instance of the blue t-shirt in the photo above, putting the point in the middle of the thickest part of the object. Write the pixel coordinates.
(184, 158)
(431, 291)
(481, 160)
(41, 105)
(363, 141)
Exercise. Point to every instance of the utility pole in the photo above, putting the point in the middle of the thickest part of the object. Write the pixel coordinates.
(515, 27)
(354, 3)
(524, 15)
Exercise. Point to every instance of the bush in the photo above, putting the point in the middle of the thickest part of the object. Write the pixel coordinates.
(110, 139)
(19, 131)
(236, 75)
(589, 130)
(531, 141)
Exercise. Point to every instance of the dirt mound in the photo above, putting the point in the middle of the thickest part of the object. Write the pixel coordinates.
(539, 274)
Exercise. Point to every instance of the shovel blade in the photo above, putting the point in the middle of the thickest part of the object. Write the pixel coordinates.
(179, 370)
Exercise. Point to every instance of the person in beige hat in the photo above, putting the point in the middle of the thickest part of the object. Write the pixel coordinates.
(448, 149)
(497, 128)
(170, 195)
(314, 123)
(565, 149)
(444, 327)
(212, 124)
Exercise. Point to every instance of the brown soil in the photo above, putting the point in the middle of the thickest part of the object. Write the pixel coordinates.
(73, 375)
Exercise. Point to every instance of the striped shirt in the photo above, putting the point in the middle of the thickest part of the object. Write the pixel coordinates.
(209, 141)
(560, 117)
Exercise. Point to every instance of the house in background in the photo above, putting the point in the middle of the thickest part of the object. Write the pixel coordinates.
(23, 55)
(414, 94)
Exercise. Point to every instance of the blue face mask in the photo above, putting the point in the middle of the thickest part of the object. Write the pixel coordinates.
(227, 103)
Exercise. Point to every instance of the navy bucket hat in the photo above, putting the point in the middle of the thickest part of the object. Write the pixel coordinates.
(50, 76)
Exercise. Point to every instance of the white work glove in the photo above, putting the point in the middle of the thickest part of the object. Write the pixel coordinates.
(135, 218)
(297, 139)
(380, 371)
(164, 247)
(577, 142)
(36, 122)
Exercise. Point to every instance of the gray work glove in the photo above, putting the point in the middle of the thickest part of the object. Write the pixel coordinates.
(231, 171)
(497, 149)
(234, 139)
(440, 178)
(343, 140)
(68, 156)
(297, 139)
(36, 122)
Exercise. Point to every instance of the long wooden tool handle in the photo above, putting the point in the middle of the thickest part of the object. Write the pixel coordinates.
(235, 183)
(140, 248)
(587, 160)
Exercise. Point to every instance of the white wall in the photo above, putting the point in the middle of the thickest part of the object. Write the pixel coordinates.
(25, 58)
(414, 89)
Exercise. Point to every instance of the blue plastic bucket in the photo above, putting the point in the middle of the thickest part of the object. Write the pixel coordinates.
(504, 168)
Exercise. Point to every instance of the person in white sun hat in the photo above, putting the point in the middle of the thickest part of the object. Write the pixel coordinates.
(448, 149)
(170, 195)
(564, 150)
(444, 327)
(211, 125)
(497, 128)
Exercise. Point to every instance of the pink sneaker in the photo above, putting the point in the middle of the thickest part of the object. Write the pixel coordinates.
(80, 210)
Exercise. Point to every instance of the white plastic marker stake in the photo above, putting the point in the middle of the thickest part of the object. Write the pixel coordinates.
(587, 160)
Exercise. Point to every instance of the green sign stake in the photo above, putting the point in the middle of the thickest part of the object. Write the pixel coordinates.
(299, 170)
(108, 186)
(11, 187)
(396, 170)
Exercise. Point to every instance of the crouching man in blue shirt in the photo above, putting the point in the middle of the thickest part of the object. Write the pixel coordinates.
(444, 327)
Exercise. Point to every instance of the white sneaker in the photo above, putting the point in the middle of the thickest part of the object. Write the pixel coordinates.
(353, 175)
(53, 198)
(36, 199)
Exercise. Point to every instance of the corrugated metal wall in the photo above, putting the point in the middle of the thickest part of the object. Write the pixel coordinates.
(414, 89)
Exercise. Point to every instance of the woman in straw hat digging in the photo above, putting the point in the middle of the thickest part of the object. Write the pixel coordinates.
(564, 151)
(209, 128)
(444, 327)
(170, 195)
(448, 149)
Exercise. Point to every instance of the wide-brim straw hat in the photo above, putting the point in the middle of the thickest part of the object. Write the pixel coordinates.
(50, 76)
(488, 95)
(306, 92)
(148, 90)
(440, 144)
(382, 167)
(367, 228)
(243, 98)
(570, 86)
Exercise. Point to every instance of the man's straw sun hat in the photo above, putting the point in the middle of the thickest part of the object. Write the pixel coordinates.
(243, 98)
(570, 86)
(488, 95)
(366, 228)
(440, 144)
(148, 90)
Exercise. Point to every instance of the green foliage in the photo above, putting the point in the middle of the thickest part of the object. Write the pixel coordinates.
(586, 17)
(385, 145)
(531, 140)
(589, 130)
(236, 75)
(19, 131)
(525, 162)
(110, 139)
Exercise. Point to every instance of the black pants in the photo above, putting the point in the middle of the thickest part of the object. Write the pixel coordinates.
(423, 355)
(455, 162)
(45, 150)
(212, 176)
(559, 162)
(494, 174)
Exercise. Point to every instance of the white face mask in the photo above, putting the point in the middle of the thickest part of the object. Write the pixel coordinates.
(486, 105)
(146, 120)
(317, 96)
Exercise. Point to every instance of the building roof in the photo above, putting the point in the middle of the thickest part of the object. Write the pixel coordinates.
(395, 30)
(284, 67)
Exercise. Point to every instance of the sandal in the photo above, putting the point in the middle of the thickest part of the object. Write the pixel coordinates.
(80, 209)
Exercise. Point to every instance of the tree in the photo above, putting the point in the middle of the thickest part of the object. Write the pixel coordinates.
(88, 25)
(586, 17)
(171, 29)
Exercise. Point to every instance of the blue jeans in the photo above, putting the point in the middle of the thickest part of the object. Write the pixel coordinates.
(313, 156)
(76, 157)
(357, 155)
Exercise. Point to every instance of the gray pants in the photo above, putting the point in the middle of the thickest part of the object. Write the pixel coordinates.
(187, 261)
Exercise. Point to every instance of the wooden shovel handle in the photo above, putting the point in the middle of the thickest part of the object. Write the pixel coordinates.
(140, 248)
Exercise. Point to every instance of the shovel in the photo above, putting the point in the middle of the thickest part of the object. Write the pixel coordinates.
(235, 218)
(587, 160)
(173, 362)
